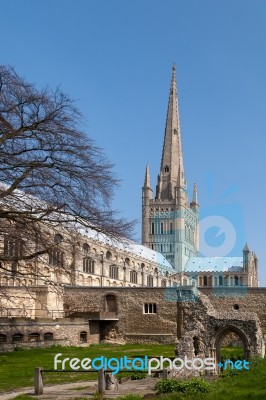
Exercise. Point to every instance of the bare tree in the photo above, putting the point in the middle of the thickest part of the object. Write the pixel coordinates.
(51, 173)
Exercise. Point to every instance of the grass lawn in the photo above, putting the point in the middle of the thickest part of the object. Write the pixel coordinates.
(16, 370)
(232, 353)
(247, 385)
(17, 367)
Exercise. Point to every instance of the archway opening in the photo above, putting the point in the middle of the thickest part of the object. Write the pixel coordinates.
(231, 344)
(232, 347)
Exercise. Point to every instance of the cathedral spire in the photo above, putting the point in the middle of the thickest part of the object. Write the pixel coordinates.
(172, 165)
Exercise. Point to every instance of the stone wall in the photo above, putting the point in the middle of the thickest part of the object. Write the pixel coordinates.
(239, 300)
(196, 320)
(132, 324)
(66, 330)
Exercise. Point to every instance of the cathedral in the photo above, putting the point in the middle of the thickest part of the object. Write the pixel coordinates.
(169, 253)
(89, 287)
(170, 222)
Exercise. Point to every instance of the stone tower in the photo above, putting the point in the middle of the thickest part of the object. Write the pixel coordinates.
(169, 223)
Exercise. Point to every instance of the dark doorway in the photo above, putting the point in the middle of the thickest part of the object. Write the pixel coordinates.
(110, 303)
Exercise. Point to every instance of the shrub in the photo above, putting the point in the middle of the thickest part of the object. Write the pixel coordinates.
(256, 360)
(170, 385)
(138, 375)
(227, 373)
(194, 385)
(198, 385)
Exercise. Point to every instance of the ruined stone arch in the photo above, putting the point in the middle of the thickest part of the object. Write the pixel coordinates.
(222, 332)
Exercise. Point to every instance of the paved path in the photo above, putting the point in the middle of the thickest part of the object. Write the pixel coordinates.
(86, 389)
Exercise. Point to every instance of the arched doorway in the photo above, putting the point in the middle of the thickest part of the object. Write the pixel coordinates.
(231, 343)
(110, 303)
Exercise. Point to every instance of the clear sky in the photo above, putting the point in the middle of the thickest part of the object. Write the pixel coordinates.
(115, 58)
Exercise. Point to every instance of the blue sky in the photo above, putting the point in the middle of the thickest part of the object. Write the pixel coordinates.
(115, 58)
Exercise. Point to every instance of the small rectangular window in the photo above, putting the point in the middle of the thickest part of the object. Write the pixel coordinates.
(150, 308)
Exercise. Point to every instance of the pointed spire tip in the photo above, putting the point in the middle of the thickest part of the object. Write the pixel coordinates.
(147, 181)
(173, 68)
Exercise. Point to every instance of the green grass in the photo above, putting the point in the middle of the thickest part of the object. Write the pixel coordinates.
(16, 370)
(246, 385)
(17, 367)
(232, 353)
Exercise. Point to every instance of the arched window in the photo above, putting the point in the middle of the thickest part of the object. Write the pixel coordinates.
(13, 247)
(4, 281)
(88, 265)
(58, 238)
(86, 249)
(56, 258)
(149, 280)
(108, 255)
(113, 272)
(236, 280)
(133, 277)
(166, 169)
(83, 337)
(48, 336)
(3, 338)
(205, 280)
(34, 337)
(17, 337)
(110, 303)
(163, 283)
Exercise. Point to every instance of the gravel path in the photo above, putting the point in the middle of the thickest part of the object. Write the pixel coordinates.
(86, 389)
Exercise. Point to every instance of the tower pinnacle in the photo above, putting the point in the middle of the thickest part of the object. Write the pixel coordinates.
(147, 180)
